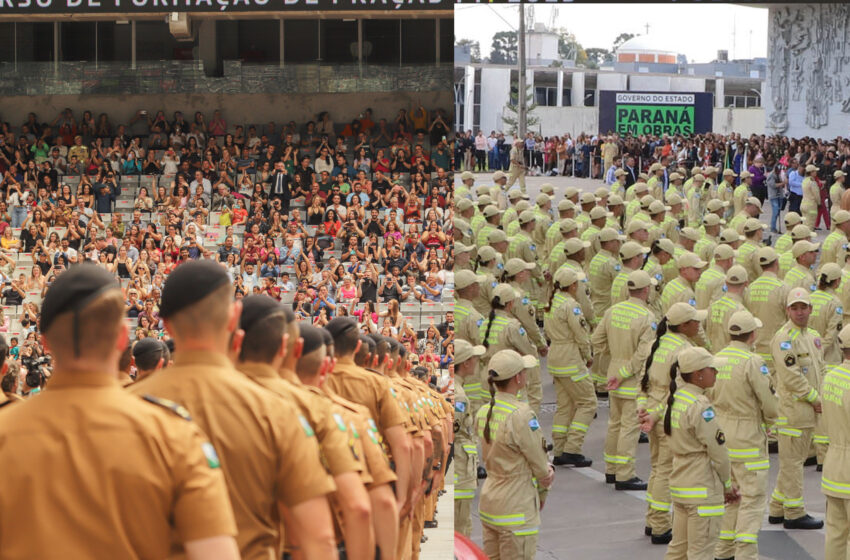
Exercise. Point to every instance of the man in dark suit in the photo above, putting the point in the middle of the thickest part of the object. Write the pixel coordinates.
(631, 172)
(280, 181)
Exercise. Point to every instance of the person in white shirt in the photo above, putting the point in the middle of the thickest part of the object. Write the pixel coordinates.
(200, 180)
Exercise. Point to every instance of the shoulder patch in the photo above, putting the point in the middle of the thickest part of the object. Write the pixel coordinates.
(763, 369)
(522, 331)
(720, 437)
(479, 322)
(813, 288)
(692, 302)
(818, 343)
(460, 406)
(617, 267)
(534, 424)
(494, 284)
(659, 276)
(839, 311)
(308, 429)
(500, 266)
(525, 301)
(785, 345)
(576, 310)
(532, 246)
(212, 457)
(708, 414)
(725, 288)
(340, 423)
(654, 325)
(174, 407)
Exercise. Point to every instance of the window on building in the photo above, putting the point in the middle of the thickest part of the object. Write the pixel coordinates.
(339, 41)
(446, 40)
(154, 41)
(300, 40)
(114, 42)
(589, 98)
(259, 41)
(418, 41)
(566, 97)
(77, 40)
(381, 41)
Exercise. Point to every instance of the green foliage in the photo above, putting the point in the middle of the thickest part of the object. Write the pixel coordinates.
(511, 119)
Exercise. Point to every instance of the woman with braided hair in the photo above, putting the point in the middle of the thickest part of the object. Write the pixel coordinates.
(489, 265)
(700, 482)
(681, 322)
(512, 449)
(661, 252)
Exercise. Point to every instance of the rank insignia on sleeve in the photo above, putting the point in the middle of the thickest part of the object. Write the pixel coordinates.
(534, 424)
(790, 360)
(720, 437)
(785, 345)
(708, 414)
(308, 429)
(212, 457)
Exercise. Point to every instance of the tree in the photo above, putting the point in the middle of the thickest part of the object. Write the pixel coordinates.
(504, 48)
(569, 48)
(622, 38)
(474, 48)
(596, 57)
(511, 120)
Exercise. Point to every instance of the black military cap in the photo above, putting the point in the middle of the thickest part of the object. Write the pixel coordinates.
(312, 336)
(190, 283)
(340, 325)
(368, 341)
(72, 291)
(147, 352)
(255, 308)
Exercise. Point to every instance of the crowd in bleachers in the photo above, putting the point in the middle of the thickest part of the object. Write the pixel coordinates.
(352, 219)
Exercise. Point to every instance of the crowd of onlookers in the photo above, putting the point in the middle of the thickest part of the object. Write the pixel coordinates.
(336, 219)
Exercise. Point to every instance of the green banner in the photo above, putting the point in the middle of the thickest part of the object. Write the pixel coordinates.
(655, 119)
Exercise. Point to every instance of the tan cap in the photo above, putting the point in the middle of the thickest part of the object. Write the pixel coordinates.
(655, 167)
(711, 170)
(810, 168)
(667, 246)
(515, 266)
(841, 216)
(465, 351)
(615, 200)
(620, 173)
(640, 279)
(522, 206)
(754, 201)
(657, 207)
(636, 225)
(466, 278)
(742, 322)
(610, 234)
(696, 169)
(588, 198)
(673, 198)
(729, 235)
(505, 293)
(567, 225)
(746, 174)
(723, 252)
(462, 225)
(542, 199)
(844, 337)
(496, 236)
(482, 189)
(716, 204)
(631, 249)
(712, 219)
(565, 205)
(643, 176)
(516, 194)
(801, 247)
(675, 176)
(696, 358)
(547, 188)
(598, 212)
(728, 172)
(463, 205)
(736, 275)
(506, 364)
(753, 224)
(499, 175)
(838, 174)
(798, 295)
(571, 192)
(491, 210)
(641, 188)
(567, 276)
(527, 216)
(682, 312)
(646, 200)
(767, 255)
(830, 272)
(602, 192)
(460, 248)
(466, 176)
(699, 177)
(802, 231)
(484, 200)
(792, 219)
(574, 245)
(487, 254)
(690, 260)
(690, 233)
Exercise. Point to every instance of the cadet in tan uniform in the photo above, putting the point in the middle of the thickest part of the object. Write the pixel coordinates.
(137, 504)
(512, 449)
(787, 259)
(704, 248)
(720, 311)
(626, 332)
(700, 481)
(268, 450)
(811, 196)
(681, 288)
(489, 265)
(827, 313)
(746, 257)
(834, 246)
(465, 451)
(661, 253)
(681, 323)
(468, 326)
(261, 356)
(517, 166)
(746, 407)
(573, 254)
(569, 333)
(517, 272)
(603, 269)
(835, 483)
(632, 256)
(799, 365)
(711, 284)
(800, 275)
(767, 301)
(784, 242)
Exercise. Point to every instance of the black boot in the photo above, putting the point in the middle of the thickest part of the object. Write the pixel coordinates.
(730, 558)
(775, 519)
(773, 447)
(810, 461)
(805, 522)
(820, 468)
(482, 472)
(663, 538)
(572, 459)
(431, 524)
(643, 438)
(634, 483)
(610, 478)
(647, 531)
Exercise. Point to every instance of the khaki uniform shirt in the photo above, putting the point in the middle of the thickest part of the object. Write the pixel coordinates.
(95, 472)
(601, 272)
(748, 258)
(626, 332)
(739, 198)
(485, 293)
(506, 333)
(718, 319)
(745, 405)
(766, 301)
(268, 450)
(467, 321)
(827, 318)
(619, 287)
(710, 287)
(514, 458)
(834, 249)
(800, 277)
(677, 290)
(705, 248)
(525, 312)
(836, 412)
(654, 400)
(783, 243)
(465, 449)
(701, 468)
(569, 333)
(799, 365)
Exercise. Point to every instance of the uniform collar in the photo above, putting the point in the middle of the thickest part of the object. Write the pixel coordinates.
(195, 357)
(769, 274)
(289, 375)
(508, 397)
(736, 297)
(691, 388)
(637, 301)
(70, 378)
(257, 370)
(740, 345)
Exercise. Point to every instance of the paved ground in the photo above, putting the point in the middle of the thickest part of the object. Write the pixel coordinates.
(585, 518)
(441, 540)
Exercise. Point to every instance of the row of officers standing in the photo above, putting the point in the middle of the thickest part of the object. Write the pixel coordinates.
(262, 438)
(700, 332)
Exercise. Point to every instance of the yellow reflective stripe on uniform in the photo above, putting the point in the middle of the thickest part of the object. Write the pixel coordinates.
(686, 396)
(526, 532)
(810, 396)
(795, 502)
(624, 372)
(505, 405)
(502, 520)
(470, 449)
(757, 465)
(743, 453)
(781, 421)
(833, 486)
(656, 504)
(564, 370)
(790, 432)
(819, 439)
(464, 494)
(559, 429)
(682, 492)
(625, 391)
(710, 511)
(727, 535)
(617, 459)
(729, 351)
(633, 307)
(747, 537)
(579, 427)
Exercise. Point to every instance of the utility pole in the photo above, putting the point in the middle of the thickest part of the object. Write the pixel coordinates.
(521, 116)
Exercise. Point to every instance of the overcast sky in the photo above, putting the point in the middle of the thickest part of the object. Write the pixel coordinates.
(696, 30)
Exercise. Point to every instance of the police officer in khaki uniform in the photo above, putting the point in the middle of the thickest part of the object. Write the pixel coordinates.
(745, 406)
(261, 357)
(465, 450)
(835, 483)
(746, 257)
(681, 288)
(827, 313)
(834, 246)
(708, 240)
(603, 268)
(489, 265)
(711, 284)
(798, 359)
(626, 332)
(138, 504)
(512, 449)
(569, 333)
(700, 481)
(787, 259)
(268, 449)
(632, 256)
(720, 311)
(766, 300)
(800, 276)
